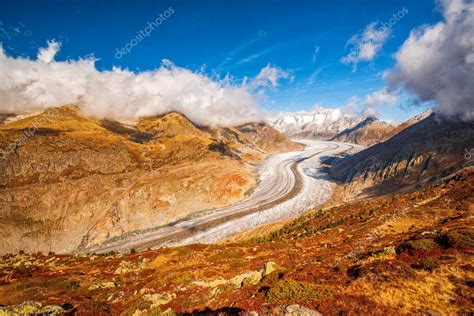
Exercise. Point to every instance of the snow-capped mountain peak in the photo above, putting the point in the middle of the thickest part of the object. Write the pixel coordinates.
(319, 123)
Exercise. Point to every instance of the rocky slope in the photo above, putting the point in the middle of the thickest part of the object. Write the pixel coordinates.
(369, 132)
(321, 123)
(430, 148)
(68, 181)
(410, 253)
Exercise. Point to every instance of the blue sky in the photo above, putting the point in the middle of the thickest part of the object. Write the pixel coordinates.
(306, 39)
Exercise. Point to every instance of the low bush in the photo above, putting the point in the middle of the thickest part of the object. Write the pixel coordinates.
(456, 239)
(287, 291)
(428, 264)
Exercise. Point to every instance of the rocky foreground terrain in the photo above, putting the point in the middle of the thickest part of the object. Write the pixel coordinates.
(68, 182)
(408, 253)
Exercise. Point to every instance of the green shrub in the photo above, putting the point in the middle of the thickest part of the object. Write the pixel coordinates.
(456, 239)
(428, 264)
(72, 285)
(184, 278)
(421, 244)
(287, 291)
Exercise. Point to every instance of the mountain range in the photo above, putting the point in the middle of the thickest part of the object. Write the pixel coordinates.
(321, 123)
(336, 125)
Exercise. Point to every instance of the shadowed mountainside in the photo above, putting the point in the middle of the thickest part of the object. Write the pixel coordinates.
(432, 147)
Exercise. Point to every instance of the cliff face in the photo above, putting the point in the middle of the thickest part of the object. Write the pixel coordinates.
(69, 182)
(430, 148)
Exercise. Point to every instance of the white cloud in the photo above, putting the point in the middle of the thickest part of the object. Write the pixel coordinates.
(269, 76)
(315, 53)
(436, 62)
(312, 77)
(369, 106)
(28, 85)
(47, 54)
(365, 46)
(378, 98)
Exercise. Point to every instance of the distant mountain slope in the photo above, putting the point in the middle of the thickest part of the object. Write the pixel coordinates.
(372, 131)
(100, 179)
(318, 124)
(367, 133)
(433, 147)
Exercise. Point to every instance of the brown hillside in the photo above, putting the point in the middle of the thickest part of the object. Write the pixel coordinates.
(100, 179)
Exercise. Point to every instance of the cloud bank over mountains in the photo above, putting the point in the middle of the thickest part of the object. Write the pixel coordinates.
(436, 62)
(30, 85)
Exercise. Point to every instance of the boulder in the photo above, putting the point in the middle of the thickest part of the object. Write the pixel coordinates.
(298, 310)
(269, 267)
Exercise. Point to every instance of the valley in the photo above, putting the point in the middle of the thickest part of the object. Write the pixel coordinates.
(289, 184)
(405, 253)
